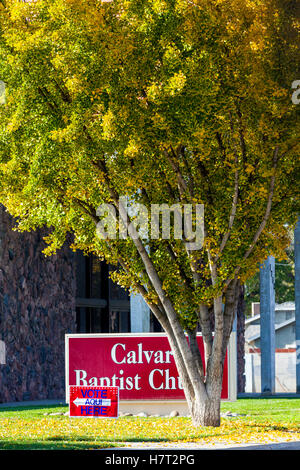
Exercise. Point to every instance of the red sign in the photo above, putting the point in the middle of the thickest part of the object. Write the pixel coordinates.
(142, 366)
(94, 402)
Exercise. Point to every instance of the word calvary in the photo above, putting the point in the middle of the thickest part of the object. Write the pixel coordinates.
(120, 356)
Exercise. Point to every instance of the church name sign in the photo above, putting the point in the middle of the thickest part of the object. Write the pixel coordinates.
(142, 366)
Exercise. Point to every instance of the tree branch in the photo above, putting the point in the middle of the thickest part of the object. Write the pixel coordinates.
(192, 335)
(266, 215)
(181, 150)
(268, 208)
(231, 300)
(241, 132)
(182, 186)
(174, 258)
(206, 330)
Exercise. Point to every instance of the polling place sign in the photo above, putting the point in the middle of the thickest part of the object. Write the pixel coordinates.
(141, 365)
(93, 402)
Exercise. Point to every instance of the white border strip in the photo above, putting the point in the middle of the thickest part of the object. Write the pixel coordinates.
(232, 367)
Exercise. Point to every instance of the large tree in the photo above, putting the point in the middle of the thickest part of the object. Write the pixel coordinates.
(161, 101)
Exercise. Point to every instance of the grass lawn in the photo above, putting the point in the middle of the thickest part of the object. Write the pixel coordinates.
(263, 420)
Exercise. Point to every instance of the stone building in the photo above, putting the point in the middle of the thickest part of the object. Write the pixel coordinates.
(37, 308)
(44, 298)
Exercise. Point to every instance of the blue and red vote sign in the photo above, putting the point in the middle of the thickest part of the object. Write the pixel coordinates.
(94, 402)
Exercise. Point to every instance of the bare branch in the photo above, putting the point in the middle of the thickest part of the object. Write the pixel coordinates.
(192, 335)
(87, 209)
(266, 215)
(206, 330)
(214, 363)
(231, 300)
(193, 3)
(212, 266)
(241, 132)
(205, 176)
(296, 144)
(182, 186)
(174, 258)
(233, 209)
(268, 208)
(221, 145)
(181, 150)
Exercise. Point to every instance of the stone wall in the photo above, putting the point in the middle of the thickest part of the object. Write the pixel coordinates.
(37, 308)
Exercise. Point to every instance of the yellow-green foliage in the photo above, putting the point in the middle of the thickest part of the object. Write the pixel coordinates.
(137, 84)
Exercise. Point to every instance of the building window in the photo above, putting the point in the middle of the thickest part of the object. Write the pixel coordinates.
(155, 326)
(119, 322)
(101, 305)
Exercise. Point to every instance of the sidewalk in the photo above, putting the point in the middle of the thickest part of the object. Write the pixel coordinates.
(198, 446)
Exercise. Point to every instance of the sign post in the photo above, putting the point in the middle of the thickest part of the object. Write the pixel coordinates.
(93, 402)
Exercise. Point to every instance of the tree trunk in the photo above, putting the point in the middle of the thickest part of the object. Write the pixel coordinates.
(203, 398)
(205, 408)
(206, 412)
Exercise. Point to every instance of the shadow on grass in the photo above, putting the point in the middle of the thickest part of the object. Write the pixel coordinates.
(120, 440)
(31, 407)
(190, 437)
(78, 439)
(54, 445)
(272, 427)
